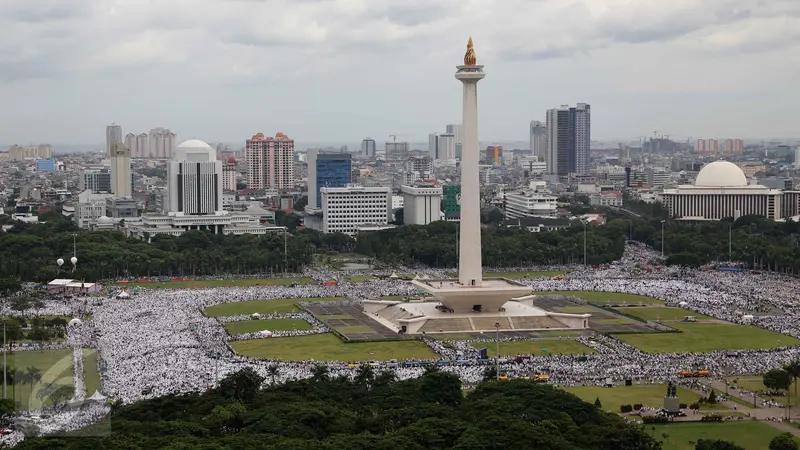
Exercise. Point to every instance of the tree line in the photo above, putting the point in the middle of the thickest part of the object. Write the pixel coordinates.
(370, 411)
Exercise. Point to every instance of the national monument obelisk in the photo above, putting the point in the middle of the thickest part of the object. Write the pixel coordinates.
(469, 246)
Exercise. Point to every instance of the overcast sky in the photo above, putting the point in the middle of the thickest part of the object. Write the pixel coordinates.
(340, 70)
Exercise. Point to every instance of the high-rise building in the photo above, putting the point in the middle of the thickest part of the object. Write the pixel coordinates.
(457, 131)
(346, 209)
(494, 155)
(121, 182)
(707, 147)
(113, 136)
(194, 180)
(229, 174)
(568, 140)
(733, 147)
(270, 161)
(397, 151)
(96, 180)
(421, 203)
(433, 145)
(138, 145)
(446, 146)
(161, 143)
(326, 170)
(418, 168)
(368, 147)
(452, 201)
(538, 136)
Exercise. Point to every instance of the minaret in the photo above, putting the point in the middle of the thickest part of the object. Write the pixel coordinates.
(469, 257)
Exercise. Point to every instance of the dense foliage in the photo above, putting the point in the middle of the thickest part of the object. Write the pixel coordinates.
(370, 412)
(436, 245)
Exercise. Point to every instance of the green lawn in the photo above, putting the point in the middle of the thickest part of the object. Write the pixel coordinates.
(360, 278)
(553, 347)
(703, 337)
(220, 283)
(334, 317)
(650, 313)
(516, 275)
(351, 330)
(91, 377)
(614, 321)
(755, 384)
(647, 394)
(251, 326)
(393, 297)
(750, 434)
(54, 366)
(284, 305)
(450, 337)
(607, 297)
(328, 347)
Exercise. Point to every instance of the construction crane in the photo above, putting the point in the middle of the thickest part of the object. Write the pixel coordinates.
(394, 137)
(655, 133)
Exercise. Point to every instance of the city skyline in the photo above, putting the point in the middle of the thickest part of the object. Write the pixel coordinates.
(714, 68)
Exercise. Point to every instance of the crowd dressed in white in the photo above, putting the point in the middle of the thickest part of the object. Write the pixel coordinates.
(159, 342)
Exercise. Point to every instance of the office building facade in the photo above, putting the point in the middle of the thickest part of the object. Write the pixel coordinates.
(368, 147)
(121, 182)
(194, 180)
(346, 209)
(538, 139)
(326, 170)
(421, 203)
(113, 137)
(397, 151)
(568, 140)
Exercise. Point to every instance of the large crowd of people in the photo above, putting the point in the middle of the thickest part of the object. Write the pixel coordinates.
(160, 342)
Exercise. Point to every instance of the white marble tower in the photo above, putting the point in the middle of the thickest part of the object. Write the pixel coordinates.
(469, 247)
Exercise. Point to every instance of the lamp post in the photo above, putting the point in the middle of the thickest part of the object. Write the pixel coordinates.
(497, 355)
(662, 239)
(285, 268)
(730, 239)
(5, 360)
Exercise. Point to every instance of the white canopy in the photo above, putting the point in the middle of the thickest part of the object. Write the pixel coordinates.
(266, 333)
(393, 275)
(683, 304)
(255, 315)
(75, 321)
(98, 397)
(123, 294)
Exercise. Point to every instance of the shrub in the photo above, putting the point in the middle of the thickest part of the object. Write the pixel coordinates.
(655, 419)
(694, 405)
(597, 403)
(625, 408)
(637, 406)
(712, 397)
(683, 406)
(711, 418)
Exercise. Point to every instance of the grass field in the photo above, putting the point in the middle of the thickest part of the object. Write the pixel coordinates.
(393, 297)
(553, 347)
(352, 330)
(53, 365)
(646, 394)
(360, 278)
(516, 275)
(450, 337)
(649, 313)
(755, 384)
(90, 375)
(749, 434)
(284, 305)
(251, 326)
(221, 283)
(700, 337)
(334, 317)
(607, 297)
(614, 321)
(327, 347)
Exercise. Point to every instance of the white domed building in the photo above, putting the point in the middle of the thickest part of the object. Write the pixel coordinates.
(721, 190)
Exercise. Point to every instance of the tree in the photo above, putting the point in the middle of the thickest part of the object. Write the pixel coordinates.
(784, 441)
(301, 203)
(777, 379)
(9, 286)
(399, 216)
(716, 444)
(242, 385)
(21, 303)
(496, 216)
(712, 397)
(320, 372)
(793, 368)
(14, 331)
(273, 370)
(597, 403)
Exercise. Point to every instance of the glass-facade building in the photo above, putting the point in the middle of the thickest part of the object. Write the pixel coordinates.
(333, 170)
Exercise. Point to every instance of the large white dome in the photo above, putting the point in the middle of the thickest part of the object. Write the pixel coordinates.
(721, 174)
(194, 143)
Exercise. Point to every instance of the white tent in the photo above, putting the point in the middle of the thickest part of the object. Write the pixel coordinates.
(683, 304)
(266, 333)
(123, 294)
(98, 397)
(255, 316)
(416, 277)
(393, 275)
(426, 277)
(74, 322)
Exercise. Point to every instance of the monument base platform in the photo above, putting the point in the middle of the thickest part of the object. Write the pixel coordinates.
(431, 317)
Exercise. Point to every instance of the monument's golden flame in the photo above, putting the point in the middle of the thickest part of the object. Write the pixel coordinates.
(469, 58)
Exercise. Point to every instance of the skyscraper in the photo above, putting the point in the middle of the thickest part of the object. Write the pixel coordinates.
(195, 180)
(121, 182)
(161, 143)
(568, 140)
(457, 131)
(538, 136)
(229, 174)
(326, 170)
(113, 136)
(270, 161)
(433, 145)
(368, 147)
(397, 151)
(446, 146)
